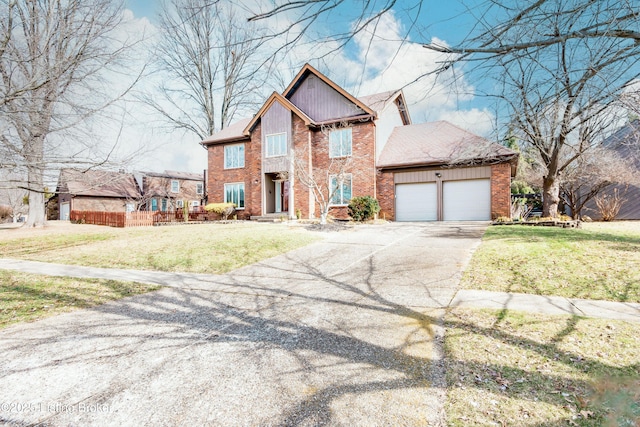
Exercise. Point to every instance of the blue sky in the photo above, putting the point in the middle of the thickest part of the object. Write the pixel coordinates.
(445, 19)
(370, 65)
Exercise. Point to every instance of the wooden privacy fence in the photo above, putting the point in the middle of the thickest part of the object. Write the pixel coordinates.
(137, 219)
(113, 219)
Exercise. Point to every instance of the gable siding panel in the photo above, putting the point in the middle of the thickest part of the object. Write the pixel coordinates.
(447, 174)
(277, 119)
(321, 102)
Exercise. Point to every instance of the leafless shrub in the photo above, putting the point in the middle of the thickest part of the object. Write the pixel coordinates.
(609, 204)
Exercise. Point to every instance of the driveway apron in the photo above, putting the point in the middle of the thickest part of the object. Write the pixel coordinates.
(342, 332)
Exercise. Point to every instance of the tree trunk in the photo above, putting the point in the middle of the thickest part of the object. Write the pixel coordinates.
(323, 216)
(36, 216)
(550, 196)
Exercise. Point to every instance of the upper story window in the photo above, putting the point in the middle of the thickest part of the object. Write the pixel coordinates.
(199, 188)
(276, 145)
(340, 143)
(234, 156)
(175, 186)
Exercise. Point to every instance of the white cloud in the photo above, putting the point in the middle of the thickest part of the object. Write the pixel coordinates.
(387, 60)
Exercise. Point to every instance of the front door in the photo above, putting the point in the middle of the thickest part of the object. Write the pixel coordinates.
(282, 196)
(278, 196)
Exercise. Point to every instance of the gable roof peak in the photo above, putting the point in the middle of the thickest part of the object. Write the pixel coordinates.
(307, 70)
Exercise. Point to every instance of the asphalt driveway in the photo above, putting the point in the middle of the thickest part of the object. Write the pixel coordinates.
(342, 332)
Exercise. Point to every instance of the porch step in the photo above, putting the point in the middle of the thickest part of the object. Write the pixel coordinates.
(273, 217)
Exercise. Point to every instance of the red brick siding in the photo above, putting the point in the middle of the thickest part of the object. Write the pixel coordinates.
(250, 175)
(363, 171)
(386, 195)
(500, 190)
(300, 135)
(253, 177)
(160, 188)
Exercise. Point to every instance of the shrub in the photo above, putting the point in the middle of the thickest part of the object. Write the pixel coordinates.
(609, 204)
(223, 209)
(363, 208)
(5, 213)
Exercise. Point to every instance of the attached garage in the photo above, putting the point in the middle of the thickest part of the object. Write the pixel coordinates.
(443, 194)
(440, 172)
(468, 200)
(417, 202)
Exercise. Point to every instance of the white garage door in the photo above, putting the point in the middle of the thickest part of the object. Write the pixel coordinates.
(467, 200)
(417, 202)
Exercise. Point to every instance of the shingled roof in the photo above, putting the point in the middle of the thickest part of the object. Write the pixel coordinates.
(439, 143)
(97, 183)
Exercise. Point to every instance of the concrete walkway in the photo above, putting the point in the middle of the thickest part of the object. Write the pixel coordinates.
(347, 331)
(461, 298)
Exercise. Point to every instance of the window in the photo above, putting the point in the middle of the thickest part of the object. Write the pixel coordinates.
(130, 207)
(179, 204)
(276, 145)
(164, 205)
(234, 156)
(340, 143)
(195, 203)
(341, 189)
(154, 204)
(175, 186)
(199, 188)
(234, 193)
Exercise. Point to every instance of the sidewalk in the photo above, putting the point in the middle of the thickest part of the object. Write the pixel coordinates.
(463, 298)
(547, 304)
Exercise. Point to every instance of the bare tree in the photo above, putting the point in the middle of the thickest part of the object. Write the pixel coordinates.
(591, 174)
(326, 185)
(213, 64)
(565, 65)
(53, 59)
(330, 185)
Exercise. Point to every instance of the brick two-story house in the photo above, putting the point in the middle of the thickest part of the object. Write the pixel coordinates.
(429, 171)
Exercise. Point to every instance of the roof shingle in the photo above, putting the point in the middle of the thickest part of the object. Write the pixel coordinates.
(438, 143)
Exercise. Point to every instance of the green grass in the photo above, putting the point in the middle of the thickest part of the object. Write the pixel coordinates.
(202, 248)
(533, 370)
(27, 297)
(599, 261)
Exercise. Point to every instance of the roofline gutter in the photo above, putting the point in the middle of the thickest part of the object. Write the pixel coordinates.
(206, 144)
(469, 162)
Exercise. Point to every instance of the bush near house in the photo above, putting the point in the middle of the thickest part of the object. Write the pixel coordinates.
(223, 209)
(363, 208)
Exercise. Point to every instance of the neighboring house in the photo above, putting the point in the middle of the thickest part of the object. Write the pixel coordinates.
(170, 190)
(100, 190)
(626, 142)
(431, 171)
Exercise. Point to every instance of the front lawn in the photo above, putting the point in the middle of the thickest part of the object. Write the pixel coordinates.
(511, 368)
(27, 297)
(199, 248)
(599, 261)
